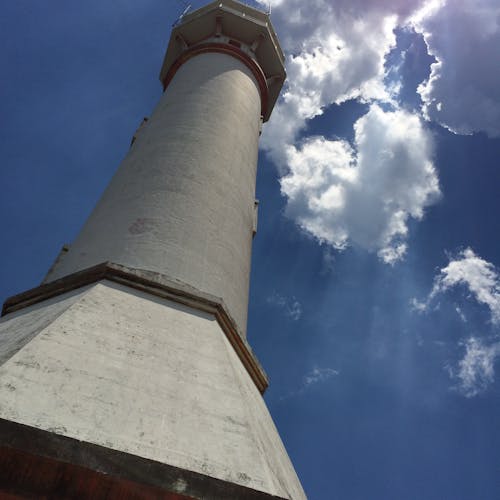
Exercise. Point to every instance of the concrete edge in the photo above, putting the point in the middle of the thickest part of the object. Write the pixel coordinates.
(156, 284)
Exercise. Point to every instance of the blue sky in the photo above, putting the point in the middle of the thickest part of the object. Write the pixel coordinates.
(375, 294)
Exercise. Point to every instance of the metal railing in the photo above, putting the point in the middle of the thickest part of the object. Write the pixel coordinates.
(188, 6)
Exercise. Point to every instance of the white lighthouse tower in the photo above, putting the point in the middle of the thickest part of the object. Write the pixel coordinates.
(127, 373)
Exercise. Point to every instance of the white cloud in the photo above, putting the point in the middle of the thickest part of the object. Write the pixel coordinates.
(463, 90)
(341, 194)
(481, 279)
(291, 306)
(460, 313)
(416, 305)
(336, 52)
(317, 375)
(367, 192)
(476, 371)
(364, 194)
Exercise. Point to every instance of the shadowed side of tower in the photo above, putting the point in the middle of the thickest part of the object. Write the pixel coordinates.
(127, 374)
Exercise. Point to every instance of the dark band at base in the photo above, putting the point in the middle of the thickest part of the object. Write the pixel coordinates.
(42, 465)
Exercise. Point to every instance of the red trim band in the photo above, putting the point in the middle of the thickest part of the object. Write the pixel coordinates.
(230, 50)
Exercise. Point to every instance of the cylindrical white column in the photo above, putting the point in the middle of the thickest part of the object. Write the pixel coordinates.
(182, 201)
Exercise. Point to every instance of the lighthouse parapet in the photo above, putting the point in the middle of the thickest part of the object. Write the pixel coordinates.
(233, 28)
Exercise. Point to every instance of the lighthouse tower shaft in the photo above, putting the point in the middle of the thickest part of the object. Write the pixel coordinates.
(183, 200)
(127, 373)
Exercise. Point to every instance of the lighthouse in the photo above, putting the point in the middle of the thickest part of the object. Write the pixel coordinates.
(127, 373)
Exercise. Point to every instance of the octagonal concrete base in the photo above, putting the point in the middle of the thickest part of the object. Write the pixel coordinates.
(136, 374)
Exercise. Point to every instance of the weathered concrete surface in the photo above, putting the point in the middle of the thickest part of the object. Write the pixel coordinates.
(22, 326)
(182, 201)
(125, 370)
(153, 283)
